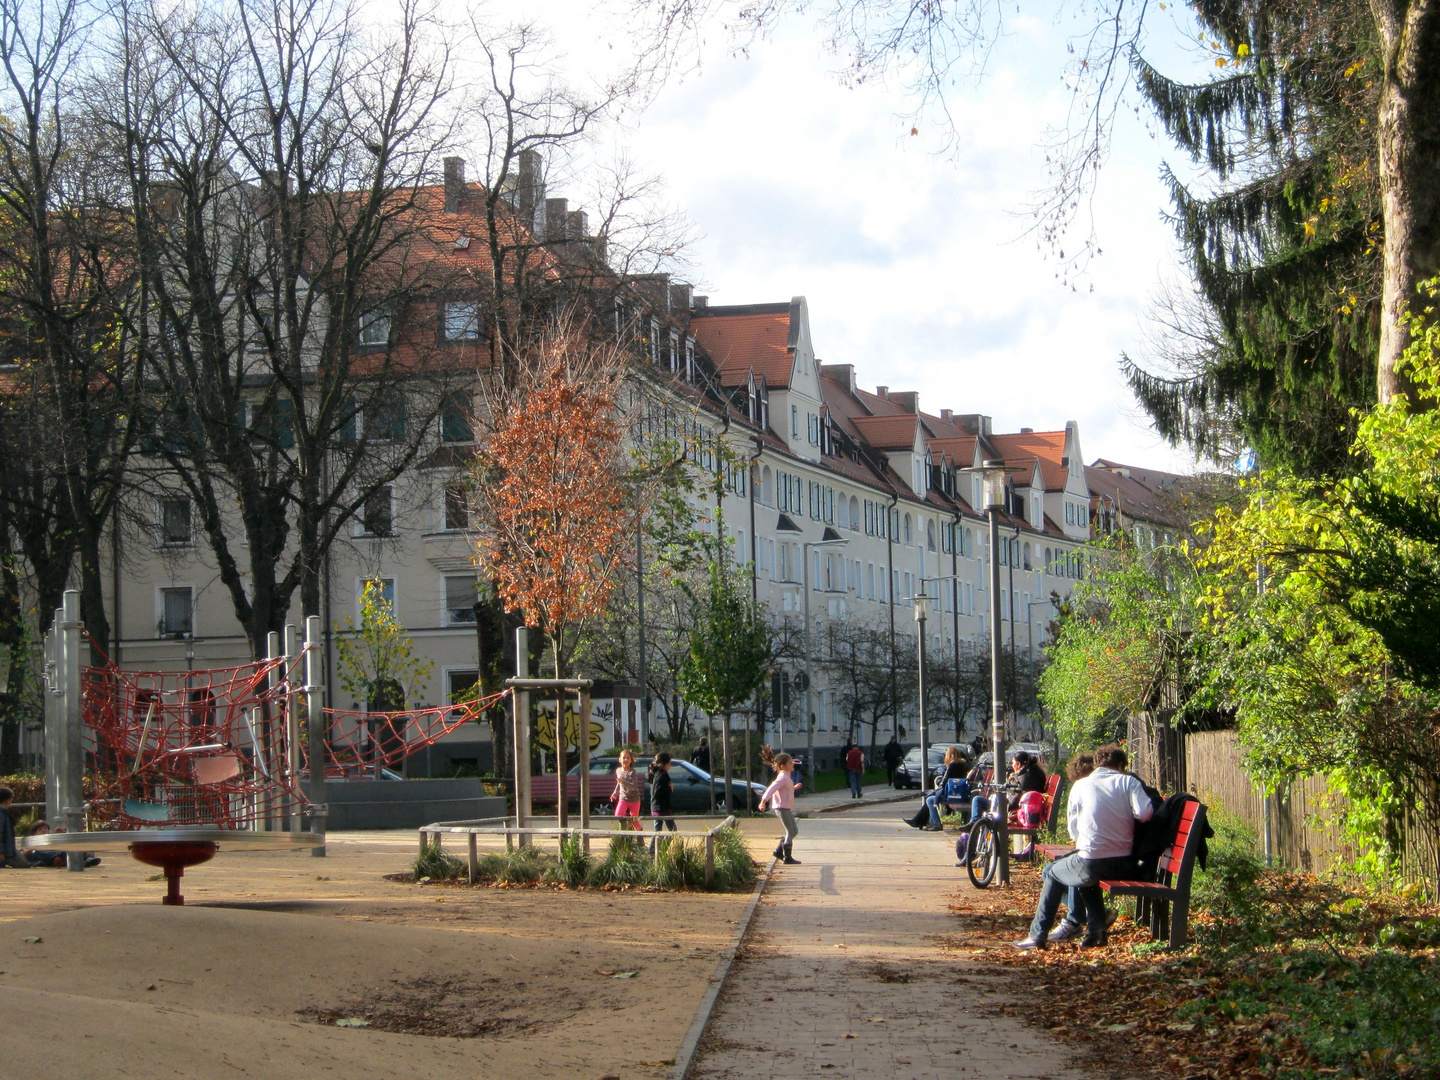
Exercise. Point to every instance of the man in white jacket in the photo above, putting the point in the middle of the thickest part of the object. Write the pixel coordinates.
(1104, 808)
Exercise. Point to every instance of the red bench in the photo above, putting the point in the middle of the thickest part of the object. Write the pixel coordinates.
(1047, 815)
(543, 788)
(1154, 900)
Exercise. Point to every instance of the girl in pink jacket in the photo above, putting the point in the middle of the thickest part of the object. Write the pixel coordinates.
(780, 797)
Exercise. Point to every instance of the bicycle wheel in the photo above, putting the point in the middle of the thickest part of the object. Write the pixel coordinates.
(982, 859)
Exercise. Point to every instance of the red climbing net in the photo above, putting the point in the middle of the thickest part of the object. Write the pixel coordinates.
(226, 747)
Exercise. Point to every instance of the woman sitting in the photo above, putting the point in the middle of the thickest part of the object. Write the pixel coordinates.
(1025, 775)
(928, 816)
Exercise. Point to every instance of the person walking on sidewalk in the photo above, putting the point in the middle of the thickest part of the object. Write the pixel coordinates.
(780, 797)
(700, 756)
(855, 770)
(893, 757)
(1104, 808)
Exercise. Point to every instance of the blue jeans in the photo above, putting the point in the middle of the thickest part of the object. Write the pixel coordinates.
(978, 805)
(1074, 879)
(932, 803)
(854, 775)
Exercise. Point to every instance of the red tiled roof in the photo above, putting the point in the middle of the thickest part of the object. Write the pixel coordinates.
(888, 432)
(1048, 446)
(740, 343)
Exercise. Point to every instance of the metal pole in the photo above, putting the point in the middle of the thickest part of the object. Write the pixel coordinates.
(54, 745)
(809, 668)
(920, 616)
(292, 716)
(520, 703)
(997, 705)
(266, 750)
(584, 739)
(72, 801)
(315, 729)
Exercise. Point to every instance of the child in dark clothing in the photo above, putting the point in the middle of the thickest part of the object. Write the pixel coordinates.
(662, 806)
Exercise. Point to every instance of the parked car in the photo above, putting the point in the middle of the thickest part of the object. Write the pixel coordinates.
(1043, 751)
(907, 773)
(690, 783)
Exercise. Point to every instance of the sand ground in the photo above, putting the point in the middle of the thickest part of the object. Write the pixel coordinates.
(273, 947)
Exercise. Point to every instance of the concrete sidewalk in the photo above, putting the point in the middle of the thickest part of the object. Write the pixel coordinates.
(840, 976)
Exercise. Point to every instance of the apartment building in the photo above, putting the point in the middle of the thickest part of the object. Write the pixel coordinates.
(823, 460)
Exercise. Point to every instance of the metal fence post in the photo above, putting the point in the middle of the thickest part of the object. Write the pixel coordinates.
(54, 744)
(73, 778)
(583, 736)
(315, 730)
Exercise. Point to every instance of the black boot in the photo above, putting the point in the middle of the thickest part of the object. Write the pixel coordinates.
(779, 851)
(789, 860)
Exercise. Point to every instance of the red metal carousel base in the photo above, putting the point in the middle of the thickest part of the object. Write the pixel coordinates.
(173, 856)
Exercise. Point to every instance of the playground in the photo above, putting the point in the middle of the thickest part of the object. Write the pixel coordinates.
(280, 963)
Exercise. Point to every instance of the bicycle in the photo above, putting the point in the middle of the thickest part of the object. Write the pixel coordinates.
(982, 851)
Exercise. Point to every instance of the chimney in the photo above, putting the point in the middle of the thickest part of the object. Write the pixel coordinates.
(883, 392)
(679, 296)
(1027, 431)
(908, 400)
(844, 374)
(277, 181)
(701, 303)
(947, 415)
(973, 423)
(557, 213)
(454, 184)
(577, 225)
(530, 191)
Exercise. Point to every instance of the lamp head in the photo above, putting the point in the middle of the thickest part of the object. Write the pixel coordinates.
(993, 475)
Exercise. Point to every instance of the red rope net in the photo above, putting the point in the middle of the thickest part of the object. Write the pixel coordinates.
(225, 747)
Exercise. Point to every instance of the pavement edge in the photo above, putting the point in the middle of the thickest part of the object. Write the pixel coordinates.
(685, 1056)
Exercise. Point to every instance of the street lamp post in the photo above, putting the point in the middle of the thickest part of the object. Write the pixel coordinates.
(993, 475)
(922, 612)
(829, 538)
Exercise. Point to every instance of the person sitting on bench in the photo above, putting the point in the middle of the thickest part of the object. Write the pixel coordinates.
(928, 816)
(1104, 808)
(1025, 775)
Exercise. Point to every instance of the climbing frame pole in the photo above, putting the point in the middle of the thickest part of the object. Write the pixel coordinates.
(72, 784)
(315, 729)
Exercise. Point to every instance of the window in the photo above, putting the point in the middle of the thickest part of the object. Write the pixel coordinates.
(455, 418)
(460, 597)
(385, 418)
(378, 514)
(794, 421)
(870, 581)
(1026, 557)
(460, 320)
(854, 514)
(460, 683)
(930, 535)
(374, 328)
(174, 520)
(384, 587)
(177, 612)
(909, 534)
(457, 507)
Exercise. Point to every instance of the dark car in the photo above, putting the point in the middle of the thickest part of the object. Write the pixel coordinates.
(690, 783)
(907, 773)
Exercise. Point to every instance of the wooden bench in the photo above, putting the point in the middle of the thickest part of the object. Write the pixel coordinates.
(1047, 814)
(543, 789)
(1165, 902)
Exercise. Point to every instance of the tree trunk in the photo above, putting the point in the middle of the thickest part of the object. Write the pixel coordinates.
(1409, 165)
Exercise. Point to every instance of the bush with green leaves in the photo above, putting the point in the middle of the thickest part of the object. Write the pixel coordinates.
(626, 862)
(1228, 888)
(433, 864)
(734, 868)
(676, 865)
(573, 866)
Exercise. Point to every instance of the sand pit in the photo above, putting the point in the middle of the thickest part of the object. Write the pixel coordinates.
(274, 948)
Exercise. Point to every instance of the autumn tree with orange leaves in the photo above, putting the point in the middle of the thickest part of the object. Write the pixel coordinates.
(550, 487)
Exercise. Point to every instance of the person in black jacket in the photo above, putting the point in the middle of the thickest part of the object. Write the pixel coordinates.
(662, 805)
(700, 756)
(928, 816)
(9, 853)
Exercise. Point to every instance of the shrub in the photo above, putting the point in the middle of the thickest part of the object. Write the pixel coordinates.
(574, 865)
(523, 866)
(1229, 886)
(734, 869)
(626, 863)
(434, 864)
(677, 865)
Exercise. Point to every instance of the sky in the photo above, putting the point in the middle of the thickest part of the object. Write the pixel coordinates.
(916, 266)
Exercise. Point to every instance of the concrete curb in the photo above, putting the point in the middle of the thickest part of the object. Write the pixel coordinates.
(856, 804)
(685, 1056)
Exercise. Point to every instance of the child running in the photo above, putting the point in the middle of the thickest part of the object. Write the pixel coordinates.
(780, 797)
(629, 788)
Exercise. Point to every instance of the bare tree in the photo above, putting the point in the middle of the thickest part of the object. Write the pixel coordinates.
(868, 679)
(277, 154)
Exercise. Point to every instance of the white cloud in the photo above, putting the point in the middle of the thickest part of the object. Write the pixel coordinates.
(915, 266)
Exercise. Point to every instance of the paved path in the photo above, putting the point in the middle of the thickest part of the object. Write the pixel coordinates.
(843, 946)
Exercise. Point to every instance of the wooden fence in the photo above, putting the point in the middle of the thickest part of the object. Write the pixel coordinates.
(1305, 832)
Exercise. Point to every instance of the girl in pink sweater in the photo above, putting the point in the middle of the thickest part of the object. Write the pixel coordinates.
(780, 797)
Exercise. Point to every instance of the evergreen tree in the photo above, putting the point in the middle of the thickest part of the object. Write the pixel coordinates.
(1286, 243)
